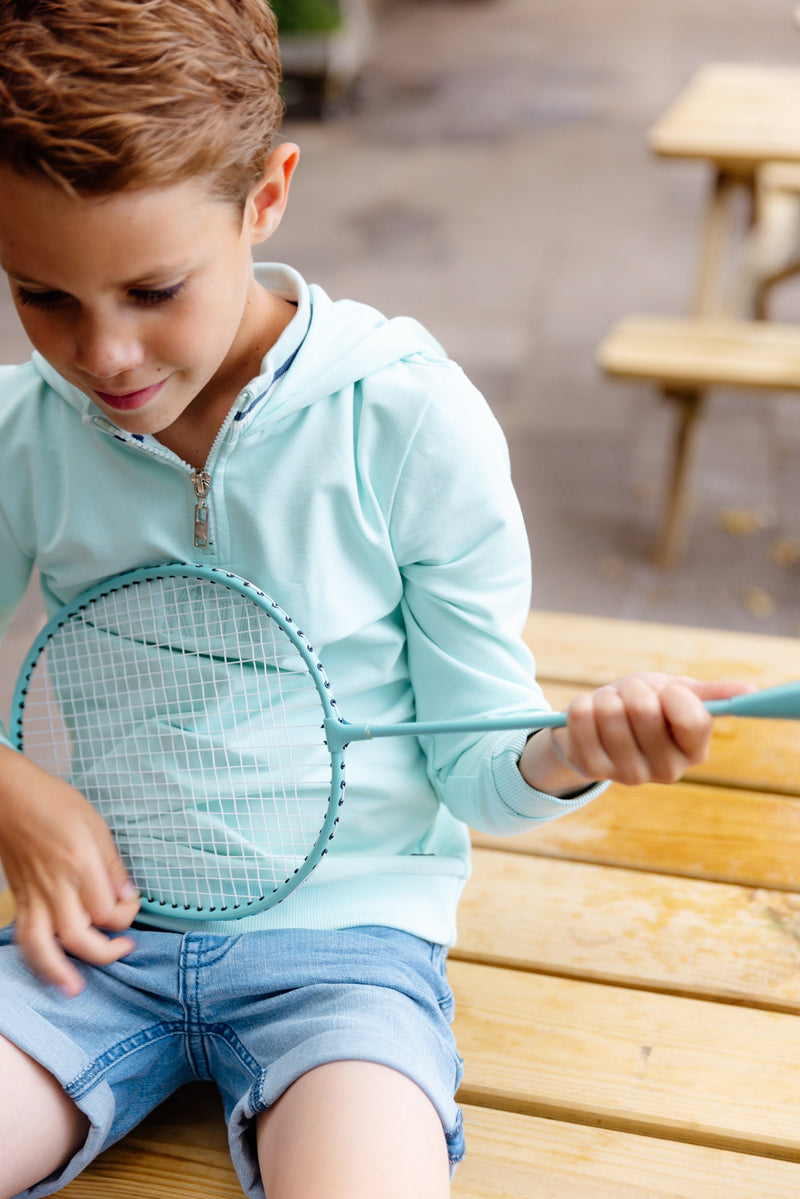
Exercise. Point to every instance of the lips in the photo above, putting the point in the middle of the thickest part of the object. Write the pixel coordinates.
(128, 400)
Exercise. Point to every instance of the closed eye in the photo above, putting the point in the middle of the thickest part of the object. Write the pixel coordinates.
(145, 296)
(156, 295)
(41, 299)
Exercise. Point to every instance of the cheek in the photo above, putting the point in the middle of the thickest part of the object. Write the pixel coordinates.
(212, 323)
(43, 331)
(173, 337)
(193, 342)
(189, 340)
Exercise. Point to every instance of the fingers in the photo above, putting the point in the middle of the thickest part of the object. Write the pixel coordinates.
(63, 868)
(46, 944)
(33, 932)
(646, 728)
(65, 919)
(124, 895)
(689, 722)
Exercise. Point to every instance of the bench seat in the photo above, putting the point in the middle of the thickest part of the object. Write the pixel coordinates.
(181, 1153)
(627, 979)
(700, 352)
(685, 357)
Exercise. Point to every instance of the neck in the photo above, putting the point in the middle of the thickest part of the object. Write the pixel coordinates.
(192, 435)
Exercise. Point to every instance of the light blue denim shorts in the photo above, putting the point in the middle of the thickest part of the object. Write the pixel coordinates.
(251, 1013)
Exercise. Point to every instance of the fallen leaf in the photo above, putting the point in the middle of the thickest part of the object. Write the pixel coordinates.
(785, 552)
(743, 522)
(759, 603)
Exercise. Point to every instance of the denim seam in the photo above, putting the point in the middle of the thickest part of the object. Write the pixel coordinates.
(93, 1073)
(226, 1034)
(189, 968)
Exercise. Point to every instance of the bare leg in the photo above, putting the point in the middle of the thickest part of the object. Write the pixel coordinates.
(355, 1130)
(40, 1127)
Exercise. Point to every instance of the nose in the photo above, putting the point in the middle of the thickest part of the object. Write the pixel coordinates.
(107, 345)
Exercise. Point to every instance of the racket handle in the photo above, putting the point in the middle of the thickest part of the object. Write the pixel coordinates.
(772, 703)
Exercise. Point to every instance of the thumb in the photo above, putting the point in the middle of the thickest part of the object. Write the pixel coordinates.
(123, 886)
(720, 689)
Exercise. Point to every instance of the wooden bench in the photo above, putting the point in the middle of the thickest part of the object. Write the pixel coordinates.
(684, 357)
(627, 979)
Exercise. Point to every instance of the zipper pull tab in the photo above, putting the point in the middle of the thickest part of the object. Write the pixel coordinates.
(201, 481)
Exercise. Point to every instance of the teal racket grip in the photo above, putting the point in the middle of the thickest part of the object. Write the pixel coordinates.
(771, 703)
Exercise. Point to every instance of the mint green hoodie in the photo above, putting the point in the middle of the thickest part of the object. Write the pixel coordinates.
(361, 481)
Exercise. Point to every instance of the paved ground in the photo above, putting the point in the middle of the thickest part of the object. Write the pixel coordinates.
(492, 180)
(494, 183)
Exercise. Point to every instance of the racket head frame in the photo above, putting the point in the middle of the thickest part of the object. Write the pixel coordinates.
(328, 715)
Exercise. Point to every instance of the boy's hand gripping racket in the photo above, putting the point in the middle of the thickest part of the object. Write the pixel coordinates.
(197, 719)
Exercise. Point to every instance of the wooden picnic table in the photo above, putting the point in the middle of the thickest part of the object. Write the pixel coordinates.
(627, 979)
(739, 118)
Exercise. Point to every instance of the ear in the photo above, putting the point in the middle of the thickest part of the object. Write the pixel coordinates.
(267, 201)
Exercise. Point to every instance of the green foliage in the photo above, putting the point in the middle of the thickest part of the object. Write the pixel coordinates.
(306, 16)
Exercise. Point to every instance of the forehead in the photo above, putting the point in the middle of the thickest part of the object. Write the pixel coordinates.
(47, 234)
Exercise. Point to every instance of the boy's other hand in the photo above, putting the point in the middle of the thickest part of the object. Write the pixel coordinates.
(644, 728)
(68, 881)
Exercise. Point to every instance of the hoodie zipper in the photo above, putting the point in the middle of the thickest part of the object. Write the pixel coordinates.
(201, 481)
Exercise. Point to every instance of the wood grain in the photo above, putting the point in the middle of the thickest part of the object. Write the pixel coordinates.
(711, 832)
(635, 1061)
(727, 943)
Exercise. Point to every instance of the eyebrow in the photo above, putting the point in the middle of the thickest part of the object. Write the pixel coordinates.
(156, 275)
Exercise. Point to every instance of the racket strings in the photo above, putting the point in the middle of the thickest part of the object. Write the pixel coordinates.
(192, 722)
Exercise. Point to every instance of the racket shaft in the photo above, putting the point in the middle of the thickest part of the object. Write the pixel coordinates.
(771, 703)
(341, 733)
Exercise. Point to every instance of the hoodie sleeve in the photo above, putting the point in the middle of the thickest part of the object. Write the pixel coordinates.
(462, 548)
(20, 387)
(15, 573)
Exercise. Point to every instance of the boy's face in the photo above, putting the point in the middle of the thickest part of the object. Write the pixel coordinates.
(145, 299)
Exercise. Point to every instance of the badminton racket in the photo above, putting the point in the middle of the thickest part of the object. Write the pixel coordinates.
(196, 717)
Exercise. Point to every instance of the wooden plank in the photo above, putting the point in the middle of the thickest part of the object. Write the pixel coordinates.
(181, 1152)
(510, 1156)
(592, 650)
(603, 924)
(716, 833)
(700, 352)
(682, 1069)
(736, 114)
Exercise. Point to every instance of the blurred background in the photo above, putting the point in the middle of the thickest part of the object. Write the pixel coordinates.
(482, 165)
(491, 177)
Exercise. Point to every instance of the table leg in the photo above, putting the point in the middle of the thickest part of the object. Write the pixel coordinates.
(708, 301)
(718, 219)
(678, 501)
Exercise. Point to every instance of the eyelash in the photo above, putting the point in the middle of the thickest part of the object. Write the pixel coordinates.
(157, 295)
(145, 296)
(39, 299)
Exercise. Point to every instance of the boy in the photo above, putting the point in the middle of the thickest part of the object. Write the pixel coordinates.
(179, 407)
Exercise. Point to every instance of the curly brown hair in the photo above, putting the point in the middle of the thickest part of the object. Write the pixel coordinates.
(101, 95)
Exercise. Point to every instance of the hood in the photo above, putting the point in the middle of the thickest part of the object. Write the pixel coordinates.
(329, 345)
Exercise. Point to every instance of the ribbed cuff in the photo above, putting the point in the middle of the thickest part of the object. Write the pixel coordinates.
(523, 799)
